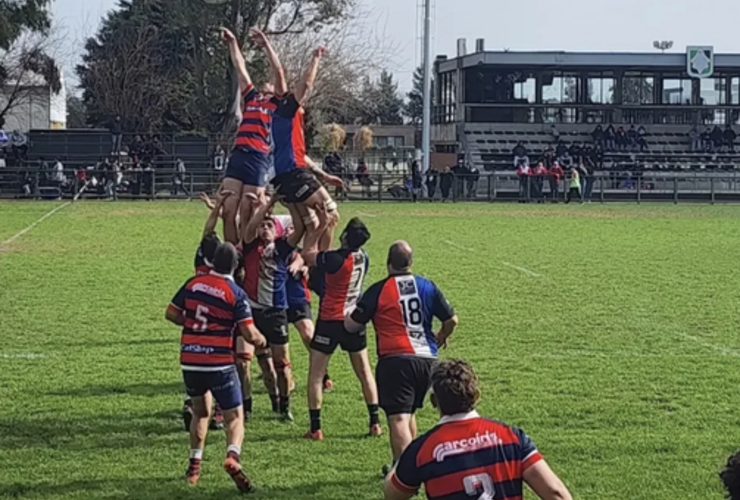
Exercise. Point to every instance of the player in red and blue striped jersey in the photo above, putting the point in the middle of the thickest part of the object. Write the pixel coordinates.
(467, 456)
(266, 260)
(338, 277)
(210, 308)
(402, 308)
(250, 159)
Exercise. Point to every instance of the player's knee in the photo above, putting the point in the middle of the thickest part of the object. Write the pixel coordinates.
(282, 366)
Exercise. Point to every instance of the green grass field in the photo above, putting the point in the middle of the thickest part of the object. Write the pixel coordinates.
(609, 333)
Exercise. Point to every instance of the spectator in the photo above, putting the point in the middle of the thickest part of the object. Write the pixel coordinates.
(695, 139)
(362, 175)
(610, 138)
(597, 157)
(706, 139)
(116, 133)
(178, 178)
(575, 186)
(584, 174)
(632, 138)
(19, 146)
(415, 180)
(730, 477)
(548, 158)
(641, 138)
(520, 154)
(561, 150)
(445, 183)
(431, 183)
(598, 136)
(472, 181)
(58, 176)
(575, 152)
(621, 139)
(460, 174)
(717, 138)
(523, 172)
(4, 139)
(113, 179)
(556, 173)
(539, 173)
(555, 133)
(730, 137)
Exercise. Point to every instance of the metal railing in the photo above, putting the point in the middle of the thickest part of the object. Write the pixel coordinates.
(698, 187)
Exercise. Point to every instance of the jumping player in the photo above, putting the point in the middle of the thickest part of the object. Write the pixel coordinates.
(250, 159)
(209, 308)
(339, 278)
(467, 456)
(402, 308)
(266, 261)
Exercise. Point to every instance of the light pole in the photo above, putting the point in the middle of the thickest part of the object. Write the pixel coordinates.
(426, 121)
(663, 45)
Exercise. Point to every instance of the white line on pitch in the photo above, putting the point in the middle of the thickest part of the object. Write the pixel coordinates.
(718, 348)
(365, 214)
(21, 233)
(522, 269)
(459, 247)
(22, 355)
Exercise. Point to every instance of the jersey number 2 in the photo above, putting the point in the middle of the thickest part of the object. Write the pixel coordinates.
(411, 308)
(479, 486)
(200, 315)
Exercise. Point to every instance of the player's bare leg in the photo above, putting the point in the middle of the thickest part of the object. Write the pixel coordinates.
(361, 366)
(244, 356)
(269, 376)
(234, 420)
(318, 363)
(305, 329)
(402, 433)
(230, 209)
(198, 432)
(281, 356)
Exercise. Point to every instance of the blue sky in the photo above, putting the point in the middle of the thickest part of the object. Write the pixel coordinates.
(586, 25)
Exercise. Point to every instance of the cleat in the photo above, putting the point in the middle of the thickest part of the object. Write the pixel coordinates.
(192, 475)
(328, 384)
(375, 431)
(287, 416)
(234, 469)
(314, 436)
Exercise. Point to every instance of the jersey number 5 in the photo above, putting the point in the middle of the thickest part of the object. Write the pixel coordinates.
(411, 308)
(200, 315)
(479, 486)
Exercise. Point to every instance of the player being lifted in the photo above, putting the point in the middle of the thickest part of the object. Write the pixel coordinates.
(210, 308)
(266, 261)
(250, 159)
(338, 280)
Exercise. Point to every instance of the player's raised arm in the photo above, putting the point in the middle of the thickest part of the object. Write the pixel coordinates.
(237, 59)
(250, 230)
(309, 78)
(212, 220)
(311, 243)
(261, 40)
(299, 227)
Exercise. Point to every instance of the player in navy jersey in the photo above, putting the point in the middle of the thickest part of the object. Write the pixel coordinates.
(338, 278)
(210, 308)
(402, 308)
(266, 261)
(250, 159)
(467, 456)
(730, 477)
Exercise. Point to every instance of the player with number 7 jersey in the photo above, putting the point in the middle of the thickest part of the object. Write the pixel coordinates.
(402, 308)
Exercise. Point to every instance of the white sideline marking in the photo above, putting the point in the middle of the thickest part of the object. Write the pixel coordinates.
(522, 269)
(459, 247)
(23, 355)
(21, 233)
(365, 214)
(725, 351)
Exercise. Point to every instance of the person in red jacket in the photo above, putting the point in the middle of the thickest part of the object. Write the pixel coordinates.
(539, 173)
(523, 172)
(556, 173)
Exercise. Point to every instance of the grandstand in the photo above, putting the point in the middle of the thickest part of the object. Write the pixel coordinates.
(488, 102)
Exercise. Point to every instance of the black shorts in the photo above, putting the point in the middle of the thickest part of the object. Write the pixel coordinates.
(299, 313)
(330, 334)
(273, 324)
(403, 383)
(297, 185)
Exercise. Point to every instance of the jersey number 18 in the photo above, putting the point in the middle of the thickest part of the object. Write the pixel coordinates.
(411, 308)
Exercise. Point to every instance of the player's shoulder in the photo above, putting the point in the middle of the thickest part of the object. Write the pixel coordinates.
(508, 434)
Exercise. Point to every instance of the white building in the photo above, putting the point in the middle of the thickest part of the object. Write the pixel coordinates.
(38, 107)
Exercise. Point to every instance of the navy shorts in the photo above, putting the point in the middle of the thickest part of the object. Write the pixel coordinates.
(250, 167)
(299, 312)
(224, 385)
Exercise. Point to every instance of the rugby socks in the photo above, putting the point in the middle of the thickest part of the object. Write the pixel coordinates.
(372, 410)
(284, 404)
(196, 457)
(248, 405)
(275, 400)
(233, 451)
(315, 416)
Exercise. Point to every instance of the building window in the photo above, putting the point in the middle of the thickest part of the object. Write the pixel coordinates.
(600, 90)
(677, 91)
(712, 91)
(638, 89)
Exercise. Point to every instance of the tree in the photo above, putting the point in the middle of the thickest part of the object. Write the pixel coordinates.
(176, 62)
(22, 16)
(381, 103)
(414, 107)
(76, 115)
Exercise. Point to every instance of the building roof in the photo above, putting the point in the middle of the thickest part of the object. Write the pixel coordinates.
(597, 60)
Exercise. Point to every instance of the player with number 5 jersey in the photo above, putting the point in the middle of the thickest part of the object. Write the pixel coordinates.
(402, 308)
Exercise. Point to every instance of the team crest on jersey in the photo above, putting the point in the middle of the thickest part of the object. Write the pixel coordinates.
(407, 287)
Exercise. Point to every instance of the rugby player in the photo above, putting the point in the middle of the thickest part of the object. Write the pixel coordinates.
(296, 178)
(266, 261)
(730, 477)
(250, 159)
(209, 308)
(338, 279)
(402, 308)
(466, 456)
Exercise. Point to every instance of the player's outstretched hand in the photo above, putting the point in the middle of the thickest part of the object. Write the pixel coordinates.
(333, 180)
(258, 37)
(319, 52)
(227, 36)
(207, 201)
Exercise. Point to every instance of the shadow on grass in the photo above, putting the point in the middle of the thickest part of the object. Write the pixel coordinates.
(96, 391)
(172, 488)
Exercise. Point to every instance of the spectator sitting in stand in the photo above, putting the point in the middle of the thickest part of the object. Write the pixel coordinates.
(520, 154)
(610, 138)
(598, 135)
(19, 146)
(576, 152)
(136, 149)
(706, 139)
(561, 150)
(555, 134)
(641, 138)
(717, 138)
(621, 139)
(632, 138)
(695, 139)
(730, 137)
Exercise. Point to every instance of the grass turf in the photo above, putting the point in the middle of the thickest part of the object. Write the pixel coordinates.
(607, 332)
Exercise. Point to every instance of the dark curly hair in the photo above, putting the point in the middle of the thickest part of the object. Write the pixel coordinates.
(455, 387)
(730, 476)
